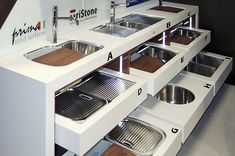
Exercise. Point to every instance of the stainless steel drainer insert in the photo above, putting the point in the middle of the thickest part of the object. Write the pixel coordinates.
(105, 86)
(136, 135)
(77, 104)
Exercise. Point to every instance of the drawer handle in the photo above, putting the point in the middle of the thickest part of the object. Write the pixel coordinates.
(85, 97)
(127, 143)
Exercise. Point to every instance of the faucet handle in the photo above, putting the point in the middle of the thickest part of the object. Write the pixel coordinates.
(74, 19)
(113, 3)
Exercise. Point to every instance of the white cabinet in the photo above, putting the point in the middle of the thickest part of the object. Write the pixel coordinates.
(30, 125)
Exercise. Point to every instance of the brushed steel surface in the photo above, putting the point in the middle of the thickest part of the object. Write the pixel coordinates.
(175, 95)
(115, 30)
(208, 60)
(153, 51)
(200, 69)
(137, 136)
(183, 36)
(77, 105)
(129, 24)
(142, 19)
(105, 86)
(75, 45)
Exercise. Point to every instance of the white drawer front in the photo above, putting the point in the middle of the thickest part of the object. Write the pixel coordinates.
(79, 137)
(184, 116)
(215, 68)
(158, 79)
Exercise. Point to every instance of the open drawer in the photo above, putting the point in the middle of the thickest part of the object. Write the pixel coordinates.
(171, 144)
(209, 67)
(182, 102)
(142, 134)
(192, 39)
(123, 94)
(157, 63)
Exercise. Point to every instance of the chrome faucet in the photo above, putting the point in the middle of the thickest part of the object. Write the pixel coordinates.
(113, 11)
(55, 22)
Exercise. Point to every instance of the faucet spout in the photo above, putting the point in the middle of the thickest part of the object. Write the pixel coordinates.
(55, 22)
(113, 6)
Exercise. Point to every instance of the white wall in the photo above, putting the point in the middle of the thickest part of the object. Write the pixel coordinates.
(21, 17)
(27, 13)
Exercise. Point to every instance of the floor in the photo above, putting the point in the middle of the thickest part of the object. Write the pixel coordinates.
(214, 135)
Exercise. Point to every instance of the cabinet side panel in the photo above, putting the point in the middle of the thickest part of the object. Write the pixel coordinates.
(22, 116)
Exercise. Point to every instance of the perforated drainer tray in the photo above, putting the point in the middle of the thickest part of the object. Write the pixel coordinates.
(105, 86)
(77, 104)
(137, 136)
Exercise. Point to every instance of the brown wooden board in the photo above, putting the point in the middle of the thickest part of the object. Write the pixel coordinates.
(60, 57)
(116, 150)
(147, 63)
(181, 39)
(167, 9)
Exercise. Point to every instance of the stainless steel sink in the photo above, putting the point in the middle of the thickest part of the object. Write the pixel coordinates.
(203, 65)
(207, 60)
(115, 30)
(183, 36)
(83, 47)
(142, 19)
(200, 69)
(153, 51)
(129, 24)
(175, 95)
(136, 135)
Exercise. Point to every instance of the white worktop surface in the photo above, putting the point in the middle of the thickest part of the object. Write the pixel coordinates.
(117, 45)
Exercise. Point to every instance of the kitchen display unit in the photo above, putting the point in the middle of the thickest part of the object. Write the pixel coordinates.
(94, 65)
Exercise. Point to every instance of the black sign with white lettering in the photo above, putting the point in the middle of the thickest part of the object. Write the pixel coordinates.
(134, 2)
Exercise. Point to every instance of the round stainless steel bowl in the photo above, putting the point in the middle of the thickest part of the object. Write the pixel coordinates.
(175, 95)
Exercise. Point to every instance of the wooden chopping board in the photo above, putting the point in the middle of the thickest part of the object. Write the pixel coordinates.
(167, 9)
(181, 40)
(116, 150)
(147, 63)
(60, 57)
